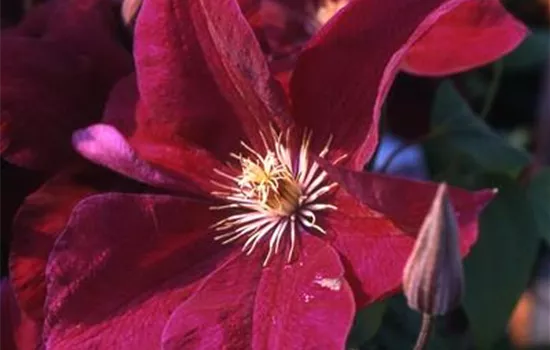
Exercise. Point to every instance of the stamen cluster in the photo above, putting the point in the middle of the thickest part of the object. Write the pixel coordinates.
(275, 194)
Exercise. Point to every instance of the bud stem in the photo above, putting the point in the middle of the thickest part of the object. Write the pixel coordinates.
(425, 330)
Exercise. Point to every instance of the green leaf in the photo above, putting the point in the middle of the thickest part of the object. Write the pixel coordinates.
(459, 134)
(366, 324)
(538, 191)
(498, 269)
(500, 265)
(530, 54)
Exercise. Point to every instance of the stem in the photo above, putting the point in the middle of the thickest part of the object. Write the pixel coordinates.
(498, 67)
(425, 330)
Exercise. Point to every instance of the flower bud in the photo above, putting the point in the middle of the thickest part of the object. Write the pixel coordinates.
(433, 279)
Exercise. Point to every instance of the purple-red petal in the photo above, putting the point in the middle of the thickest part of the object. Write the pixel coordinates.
(342, 78)
(57, 70)
(149, 148)
(122, 265)
(471, 35)
(42, 102)
(89, 28)
(305, 305)
(40, 220)
(18, 331)
(174, 166)
(199, 63)
(375, 227)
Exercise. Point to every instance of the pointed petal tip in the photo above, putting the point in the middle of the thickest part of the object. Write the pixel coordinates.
(483, 197)
(486, 28)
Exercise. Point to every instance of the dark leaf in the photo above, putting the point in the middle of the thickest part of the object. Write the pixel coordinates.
(458, 133)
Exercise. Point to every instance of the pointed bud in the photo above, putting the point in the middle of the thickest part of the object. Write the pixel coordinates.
(433, 280)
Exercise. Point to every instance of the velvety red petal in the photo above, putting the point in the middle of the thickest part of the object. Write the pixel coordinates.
(18, 331)
(471, 35)
(199, 65)
(375, 229)
(40, 220)
(56, 74)
(286, 25)
(122, 265)
(249, 7)
(35, 21)
(127, 111)
(343, 77)
(154, 141)
(306, 305)
(42, 102)
(90, 28)
(16, 184)
(178, 167)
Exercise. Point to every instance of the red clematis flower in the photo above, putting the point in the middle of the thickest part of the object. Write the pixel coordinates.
(271, 246)
(45, 98)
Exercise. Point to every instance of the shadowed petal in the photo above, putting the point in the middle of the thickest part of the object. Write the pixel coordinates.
(343, 77)
(18, 331)
(39, 222)
(16, 184)
(35, 21)
(42, 102)
(127, 112)
(375, 229)
(56, 73)
(120, 268)
(176, 167)
(198, 62)
(89, 28)
(306, 305)
(473, 34)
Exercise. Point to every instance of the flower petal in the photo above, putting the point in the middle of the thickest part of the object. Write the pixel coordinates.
(89, 28)
(241, 305)
(39, 222)
(121, 267)
(35, 21)
(471, 35)
(175, 167)
(375, 229)
(42, 102)
(162, 140)
(44, 75)
(343, 77)
(199, 62)
(19, 332)
(17, 184)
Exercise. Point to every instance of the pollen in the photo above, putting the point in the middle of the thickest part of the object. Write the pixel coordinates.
(276, 195)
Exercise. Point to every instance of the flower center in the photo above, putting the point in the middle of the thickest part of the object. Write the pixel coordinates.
(286, 199)
(275, 195)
